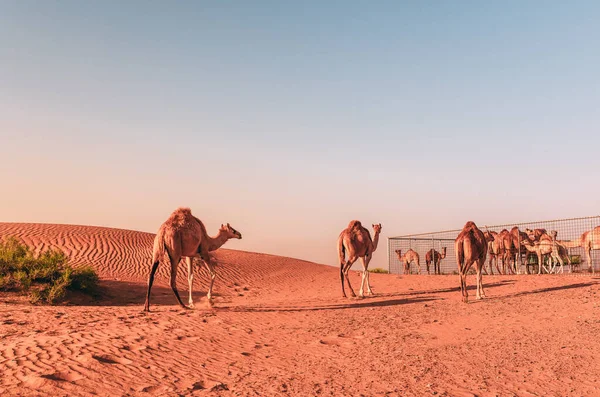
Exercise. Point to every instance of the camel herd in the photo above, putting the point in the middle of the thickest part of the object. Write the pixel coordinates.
(184, 235)
(472, 247)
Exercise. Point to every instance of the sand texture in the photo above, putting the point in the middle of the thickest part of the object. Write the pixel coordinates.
(279, 326)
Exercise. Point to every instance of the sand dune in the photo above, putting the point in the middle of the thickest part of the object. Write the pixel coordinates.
(280, 327)
(126, 255)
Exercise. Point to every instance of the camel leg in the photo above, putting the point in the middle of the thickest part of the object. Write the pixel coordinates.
(211, 272)
(562, 263)
(174, 263)
(463, 287)
(150, 282)
(190, 269)
(540, 262)
(346, 270)
(342, 278)
(363, 280)
(588, 253)
(369, 276)
(427, 265)
(480, 279)
(419, 267)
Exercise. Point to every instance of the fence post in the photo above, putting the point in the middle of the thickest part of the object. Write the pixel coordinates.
(389, 256)
(591, 264)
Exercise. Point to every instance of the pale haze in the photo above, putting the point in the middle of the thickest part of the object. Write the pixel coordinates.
(289, 119)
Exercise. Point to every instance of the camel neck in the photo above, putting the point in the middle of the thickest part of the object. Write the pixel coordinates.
(217, 242)
(375, 241)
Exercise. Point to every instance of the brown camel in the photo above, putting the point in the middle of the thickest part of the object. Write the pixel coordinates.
(518, 237)
(589, 241)
(184, 235)
(471, 247)
(356, 241)
(435, 257)
(408, 258)
(495, 249)
(508, 250)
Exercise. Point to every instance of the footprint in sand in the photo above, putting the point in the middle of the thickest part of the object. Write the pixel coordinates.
(63, 376)
(108, 359)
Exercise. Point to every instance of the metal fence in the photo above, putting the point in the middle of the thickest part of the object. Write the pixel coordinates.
(568, 229)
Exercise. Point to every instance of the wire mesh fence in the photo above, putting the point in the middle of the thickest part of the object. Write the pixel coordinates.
(570, 244)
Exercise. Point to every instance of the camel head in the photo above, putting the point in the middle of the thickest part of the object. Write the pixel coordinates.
(399, 253)
(231, 232)
(377, 228)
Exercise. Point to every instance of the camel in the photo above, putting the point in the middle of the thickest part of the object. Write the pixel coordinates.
(559, 252)
(535, 234)
(356, 241)
(518, 237)
(435, 257)
(495, 249)
(408, 258)
(508, 250)
(548, 246)
(471, 247)
(184, 235)
(590, 240)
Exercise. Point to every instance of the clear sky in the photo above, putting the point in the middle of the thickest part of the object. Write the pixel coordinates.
(290, 118)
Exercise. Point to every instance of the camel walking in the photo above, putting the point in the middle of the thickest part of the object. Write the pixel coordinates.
(408, 258)
(356, 241)
(435, 257)
(184, 235)
(590, 240)
(471, 247)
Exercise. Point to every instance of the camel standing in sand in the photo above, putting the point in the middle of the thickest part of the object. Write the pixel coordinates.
(471, 247)
(546, 245)
(518, 238)
(356, 241)
(495, 249)
(184, 235)
(435, 257)
(408, 258)
(589, 241)
(508, 250)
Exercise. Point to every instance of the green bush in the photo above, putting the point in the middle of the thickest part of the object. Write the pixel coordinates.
(45, 277)
(379, 270)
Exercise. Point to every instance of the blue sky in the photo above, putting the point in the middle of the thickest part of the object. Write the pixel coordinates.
(288, 119)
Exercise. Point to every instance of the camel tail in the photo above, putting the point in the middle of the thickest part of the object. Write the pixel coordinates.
(158, 252)
(460, 255)
(341, 251)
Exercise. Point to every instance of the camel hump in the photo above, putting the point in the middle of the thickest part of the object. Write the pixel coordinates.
(470, 226)
(180, 217)
(354, 225)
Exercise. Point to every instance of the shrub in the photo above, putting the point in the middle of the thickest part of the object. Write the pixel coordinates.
(379, 270)
(45, 277)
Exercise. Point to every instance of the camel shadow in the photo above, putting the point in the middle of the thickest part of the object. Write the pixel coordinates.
(126, 293)
(550, 289)
(449, 289)
(342, 306)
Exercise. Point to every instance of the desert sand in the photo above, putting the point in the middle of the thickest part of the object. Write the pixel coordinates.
(279, 326)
